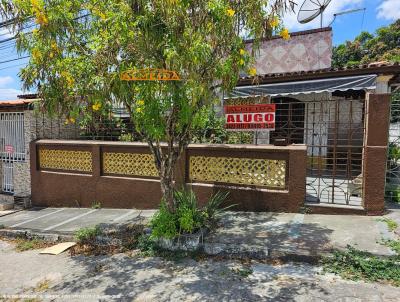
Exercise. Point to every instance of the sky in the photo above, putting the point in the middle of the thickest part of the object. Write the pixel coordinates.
(378, 13)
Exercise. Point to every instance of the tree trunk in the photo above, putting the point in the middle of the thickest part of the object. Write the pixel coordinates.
(167, 183)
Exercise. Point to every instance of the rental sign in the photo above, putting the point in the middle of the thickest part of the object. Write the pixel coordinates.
(250, 117)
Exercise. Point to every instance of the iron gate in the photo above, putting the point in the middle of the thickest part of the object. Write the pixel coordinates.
(392, 188)
(12, 146)
(333, 130)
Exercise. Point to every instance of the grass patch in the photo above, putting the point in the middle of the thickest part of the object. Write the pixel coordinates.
(391, 224)
(85, 235)
(106, 241)
(354, 264)
(394, 245)
(23, 244)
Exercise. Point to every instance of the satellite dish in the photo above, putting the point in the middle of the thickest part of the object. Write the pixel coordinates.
(310, 9)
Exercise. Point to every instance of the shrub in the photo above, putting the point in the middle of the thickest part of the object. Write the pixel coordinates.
(85, 235)
(188, 217)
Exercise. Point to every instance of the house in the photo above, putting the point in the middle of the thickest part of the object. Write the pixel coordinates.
(322, 107)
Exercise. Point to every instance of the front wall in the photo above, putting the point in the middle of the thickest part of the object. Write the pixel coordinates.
(123, 175)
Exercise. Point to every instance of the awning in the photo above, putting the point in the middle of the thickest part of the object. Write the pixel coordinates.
(361, 82)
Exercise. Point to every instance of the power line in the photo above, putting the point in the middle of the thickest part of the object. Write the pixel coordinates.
(12, 66)
(7, 61)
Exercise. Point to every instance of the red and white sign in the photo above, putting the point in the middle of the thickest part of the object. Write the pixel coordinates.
(250, 117)
(9, 149)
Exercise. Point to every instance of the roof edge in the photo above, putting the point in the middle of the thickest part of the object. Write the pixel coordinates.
(320, 73)
(293, 34)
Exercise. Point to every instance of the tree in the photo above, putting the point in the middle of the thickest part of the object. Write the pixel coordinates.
(80, 48)
(367, 48)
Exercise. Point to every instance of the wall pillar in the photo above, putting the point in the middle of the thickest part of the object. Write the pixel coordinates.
(375, 152)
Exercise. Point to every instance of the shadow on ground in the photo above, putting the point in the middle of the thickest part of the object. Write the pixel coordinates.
(156, 279)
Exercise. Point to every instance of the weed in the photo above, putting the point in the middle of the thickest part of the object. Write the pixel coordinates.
(2, 226)
(305, 210)
(354, 264)
(23, 244)
(394, 245)
(42, 286)
(243, 272)
(86, 235)
(96, 205)
(391, 224)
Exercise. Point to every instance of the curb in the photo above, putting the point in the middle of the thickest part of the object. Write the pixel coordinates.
(32, 234)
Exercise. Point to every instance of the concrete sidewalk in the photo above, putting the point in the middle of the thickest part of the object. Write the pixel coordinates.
(304, 234)
(279, 233)
(69, 220)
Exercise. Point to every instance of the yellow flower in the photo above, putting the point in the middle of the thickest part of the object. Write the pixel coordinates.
(35, 31)
(252, 71)
(72, 120)
(96, 106)
(274, 22)
(67, 76)
(41, 19)
(139, 109)
(285, 34)
(66, 121)
(140, 103)
(241, 62)
(54, 46)
(51, 55)
(35, 4)
(36, 55)
(242, 52)
(230, 12)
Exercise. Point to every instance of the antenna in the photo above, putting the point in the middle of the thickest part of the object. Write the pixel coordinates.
(348, 12)
(310, 9)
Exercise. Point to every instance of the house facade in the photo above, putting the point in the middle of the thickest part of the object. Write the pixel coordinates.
(333, 124)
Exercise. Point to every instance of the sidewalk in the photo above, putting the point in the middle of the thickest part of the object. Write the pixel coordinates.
(304, 234)
(275, 233)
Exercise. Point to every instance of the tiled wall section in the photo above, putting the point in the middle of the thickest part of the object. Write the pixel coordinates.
(302, 52)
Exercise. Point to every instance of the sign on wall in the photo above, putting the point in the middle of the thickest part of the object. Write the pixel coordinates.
(249, 117)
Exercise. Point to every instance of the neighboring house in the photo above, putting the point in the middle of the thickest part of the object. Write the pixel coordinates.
(18, 127)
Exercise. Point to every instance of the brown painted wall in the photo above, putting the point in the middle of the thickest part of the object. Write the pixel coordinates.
(55, 187)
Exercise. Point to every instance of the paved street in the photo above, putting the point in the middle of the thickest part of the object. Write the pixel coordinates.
(132, 278)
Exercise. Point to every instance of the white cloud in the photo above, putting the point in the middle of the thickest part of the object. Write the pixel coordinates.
(9, 94)
(335, 6)
(4, 81)
(389, 10)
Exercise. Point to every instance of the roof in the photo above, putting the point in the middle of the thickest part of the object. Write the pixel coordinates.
(28, 96)
(373, 68)
(14, 103)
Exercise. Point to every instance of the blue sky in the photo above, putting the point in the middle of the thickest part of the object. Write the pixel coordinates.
(378, 13)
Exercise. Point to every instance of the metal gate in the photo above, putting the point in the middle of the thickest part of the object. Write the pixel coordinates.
(392, 189)
(12, 146)
(333, 130)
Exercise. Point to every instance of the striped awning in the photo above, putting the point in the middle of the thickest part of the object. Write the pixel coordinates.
(361, 82)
